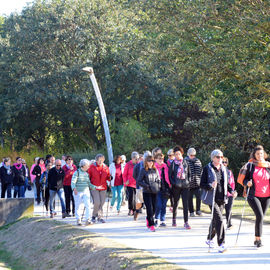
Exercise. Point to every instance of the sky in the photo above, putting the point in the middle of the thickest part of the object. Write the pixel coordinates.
(9, 6)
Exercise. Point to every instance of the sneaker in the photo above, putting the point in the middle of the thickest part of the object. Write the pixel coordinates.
(93, 220)
(162, 224)
(147, 223)
(118, 212)
(174, 222)
(210, 243)
(111, 208)
(192, 214)
(130, 213)
(54, 213)
(152, 229)
(79, 222)
(156, 223)
(68, 215)
(258, 243)
(101, 220)
(64, 215)
(229, 227)
(88, 222)
(186, 226)
(51, 215)
(222, 248)
(171, 209)
(199, 213)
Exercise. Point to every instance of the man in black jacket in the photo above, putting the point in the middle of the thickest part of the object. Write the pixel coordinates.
(55, 181)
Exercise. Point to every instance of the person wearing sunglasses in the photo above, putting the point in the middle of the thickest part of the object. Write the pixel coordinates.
(215, 177)
(69, 169)
(19, 178)
(228, 206)
(149, 180)
(6, 176)
(56, 177)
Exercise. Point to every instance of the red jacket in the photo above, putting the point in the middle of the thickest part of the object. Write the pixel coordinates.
(99, 175)
(68, 174)
(128, 175)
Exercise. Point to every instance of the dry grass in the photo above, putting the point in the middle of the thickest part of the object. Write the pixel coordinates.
(47, 244)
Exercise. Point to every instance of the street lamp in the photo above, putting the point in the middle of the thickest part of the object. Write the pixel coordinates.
(90, 71)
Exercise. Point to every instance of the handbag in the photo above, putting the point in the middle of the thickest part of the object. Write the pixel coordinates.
(207, 196)
(181, 183)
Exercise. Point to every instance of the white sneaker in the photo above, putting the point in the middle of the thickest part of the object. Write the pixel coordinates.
(79, 222)
(222, 248)
(210, 243)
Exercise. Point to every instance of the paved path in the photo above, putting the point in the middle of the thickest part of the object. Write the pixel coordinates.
(186, 248)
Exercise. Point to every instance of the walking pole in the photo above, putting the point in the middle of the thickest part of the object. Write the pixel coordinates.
(243, 211)
(212, 216)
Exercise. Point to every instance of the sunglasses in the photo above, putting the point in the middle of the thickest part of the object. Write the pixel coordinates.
(151, 160)
(24, 163)
(219, 157)
(224, 162)
(57, 165)
(70, 159)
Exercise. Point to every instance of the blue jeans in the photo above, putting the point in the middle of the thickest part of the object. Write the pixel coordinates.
(25, 185)
(18, 190)
(61, 196)
(117, 190)
(160, 207)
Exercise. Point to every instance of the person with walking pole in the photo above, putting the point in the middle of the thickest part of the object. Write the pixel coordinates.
(215, 185)
(255, 176)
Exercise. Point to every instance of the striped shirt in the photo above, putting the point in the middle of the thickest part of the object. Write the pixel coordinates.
(81, 181)
(195, 167)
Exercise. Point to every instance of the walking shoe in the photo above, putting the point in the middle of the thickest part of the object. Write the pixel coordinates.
(130, 213)
(140, 211)
(68, 215)
(156, 223)
(79, 222)
(54, 213)
(64, 215)
(152, 228)
(88, 222)
(210, 243)
(186, 226)
(174, 222)
(136, 215)
(93, 220)
(192, 214)
(118, 212)
(199, 213)
(258, 243)
(162, 224)
(147, 223)
(229, 227)
(171, 209)
(51, 215)
(101, 220)
(111, 208)
(222, 248)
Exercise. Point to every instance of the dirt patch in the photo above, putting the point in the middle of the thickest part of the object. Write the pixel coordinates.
(48, 244)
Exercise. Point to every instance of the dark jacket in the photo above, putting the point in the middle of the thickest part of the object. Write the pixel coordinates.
(149, 179)
(173, 169)
(136, 172)
(56, 178)
(19, 176)
(248, 177)
(195, 168)
(223, 186)
(5, 176)
(37, 172)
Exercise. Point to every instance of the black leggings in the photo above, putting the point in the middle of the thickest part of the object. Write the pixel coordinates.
(176, 193)
(131, 198)
(259, 206)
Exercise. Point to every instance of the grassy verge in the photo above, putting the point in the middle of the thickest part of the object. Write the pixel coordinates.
(47, 244)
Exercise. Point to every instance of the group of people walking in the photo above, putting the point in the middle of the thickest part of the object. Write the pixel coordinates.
(146, 181)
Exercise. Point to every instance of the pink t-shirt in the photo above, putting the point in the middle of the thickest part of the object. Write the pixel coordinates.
(261, 180)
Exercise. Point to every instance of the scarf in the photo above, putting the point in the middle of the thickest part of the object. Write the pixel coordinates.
(159, 168)
(17, 166)
(243, 170)
(181, 171)
(7, 168)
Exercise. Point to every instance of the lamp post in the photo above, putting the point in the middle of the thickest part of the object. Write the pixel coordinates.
(90, 71)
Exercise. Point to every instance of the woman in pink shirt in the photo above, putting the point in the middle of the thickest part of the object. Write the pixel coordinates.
(257, 176)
